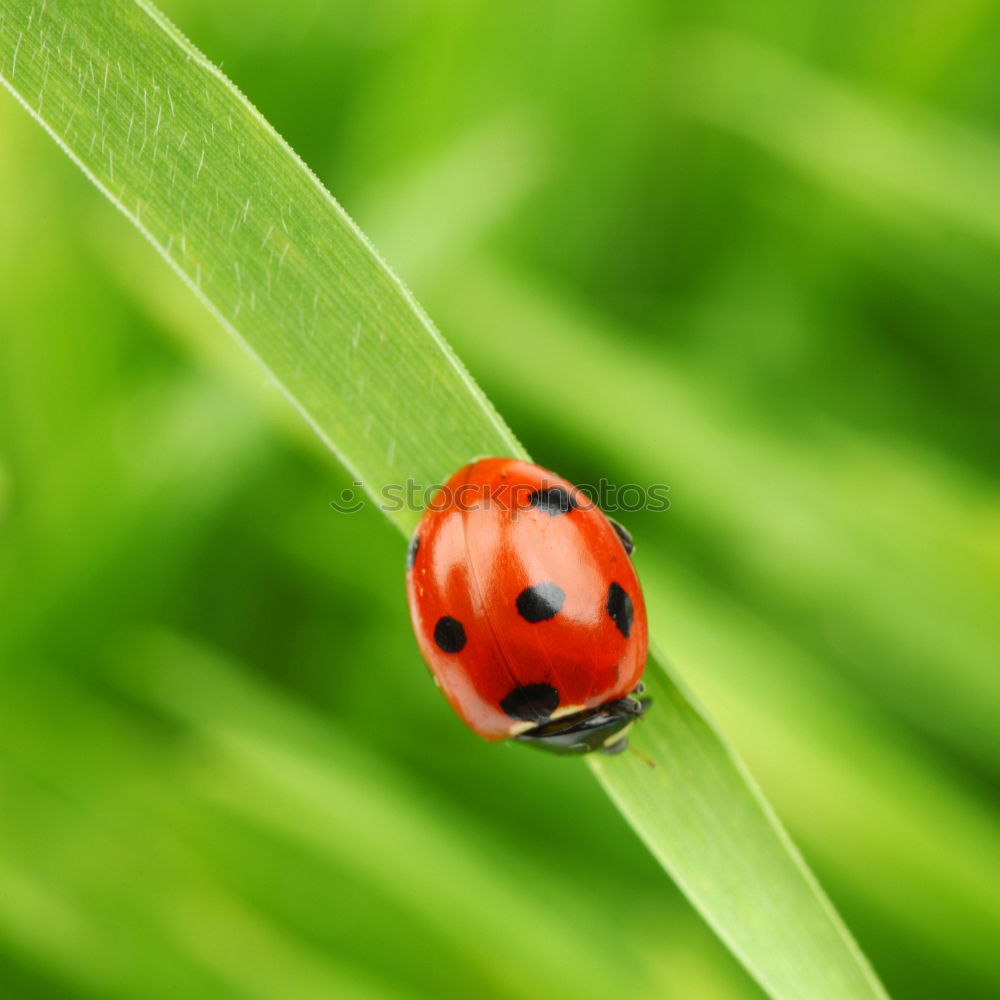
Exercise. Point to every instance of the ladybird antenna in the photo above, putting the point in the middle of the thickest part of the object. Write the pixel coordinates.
(647, 760)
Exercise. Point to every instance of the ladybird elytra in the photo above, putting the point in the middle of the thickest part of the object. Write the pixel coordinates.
(527, 608)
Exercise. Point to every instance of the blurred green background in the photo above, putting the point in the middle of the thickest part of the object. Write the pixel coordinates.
(747, 250)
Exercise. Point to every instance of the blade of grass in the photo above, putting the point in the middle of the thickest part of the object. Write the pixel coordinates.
(183, 155)
(267, 760)
(841, 135)
(923, 176)
(157, 922)
(266, 248)
(852, 555)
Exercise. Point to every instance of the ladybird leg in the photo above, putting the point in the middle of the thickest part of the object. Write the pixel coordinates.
(411, 550)
(639, 689)
(623, 536)
(615, 748)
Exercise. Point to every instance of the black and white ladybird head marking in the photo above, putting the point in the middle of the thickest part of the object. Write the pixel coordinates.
(601, 729)
(411, 551)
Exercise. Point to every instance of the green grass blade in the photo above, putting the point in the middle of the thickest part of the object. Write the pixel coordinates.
(170, 141)
(263, 244)
(702, 816)
(734, 84)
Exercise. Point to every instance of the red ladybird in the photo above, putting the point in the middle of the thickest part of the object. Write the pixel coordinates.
(527, 608)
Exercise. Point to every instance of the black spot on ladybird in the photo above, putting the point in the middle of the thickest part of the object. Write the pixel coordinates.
(449, 635)
(552, 501)
(619, 607)
(541, 602)
(411, 551)
(623, 536)
(531, 703)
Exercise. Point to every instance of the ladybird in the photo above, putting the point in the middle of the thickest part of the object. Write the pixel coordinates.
(528, 610)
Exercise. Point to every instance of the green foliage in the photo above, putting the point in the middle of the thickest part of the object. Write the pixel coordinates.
(224, 771)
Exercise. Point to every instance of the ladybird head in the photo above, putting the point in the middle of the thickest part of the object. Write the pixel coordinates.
(602, 728)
